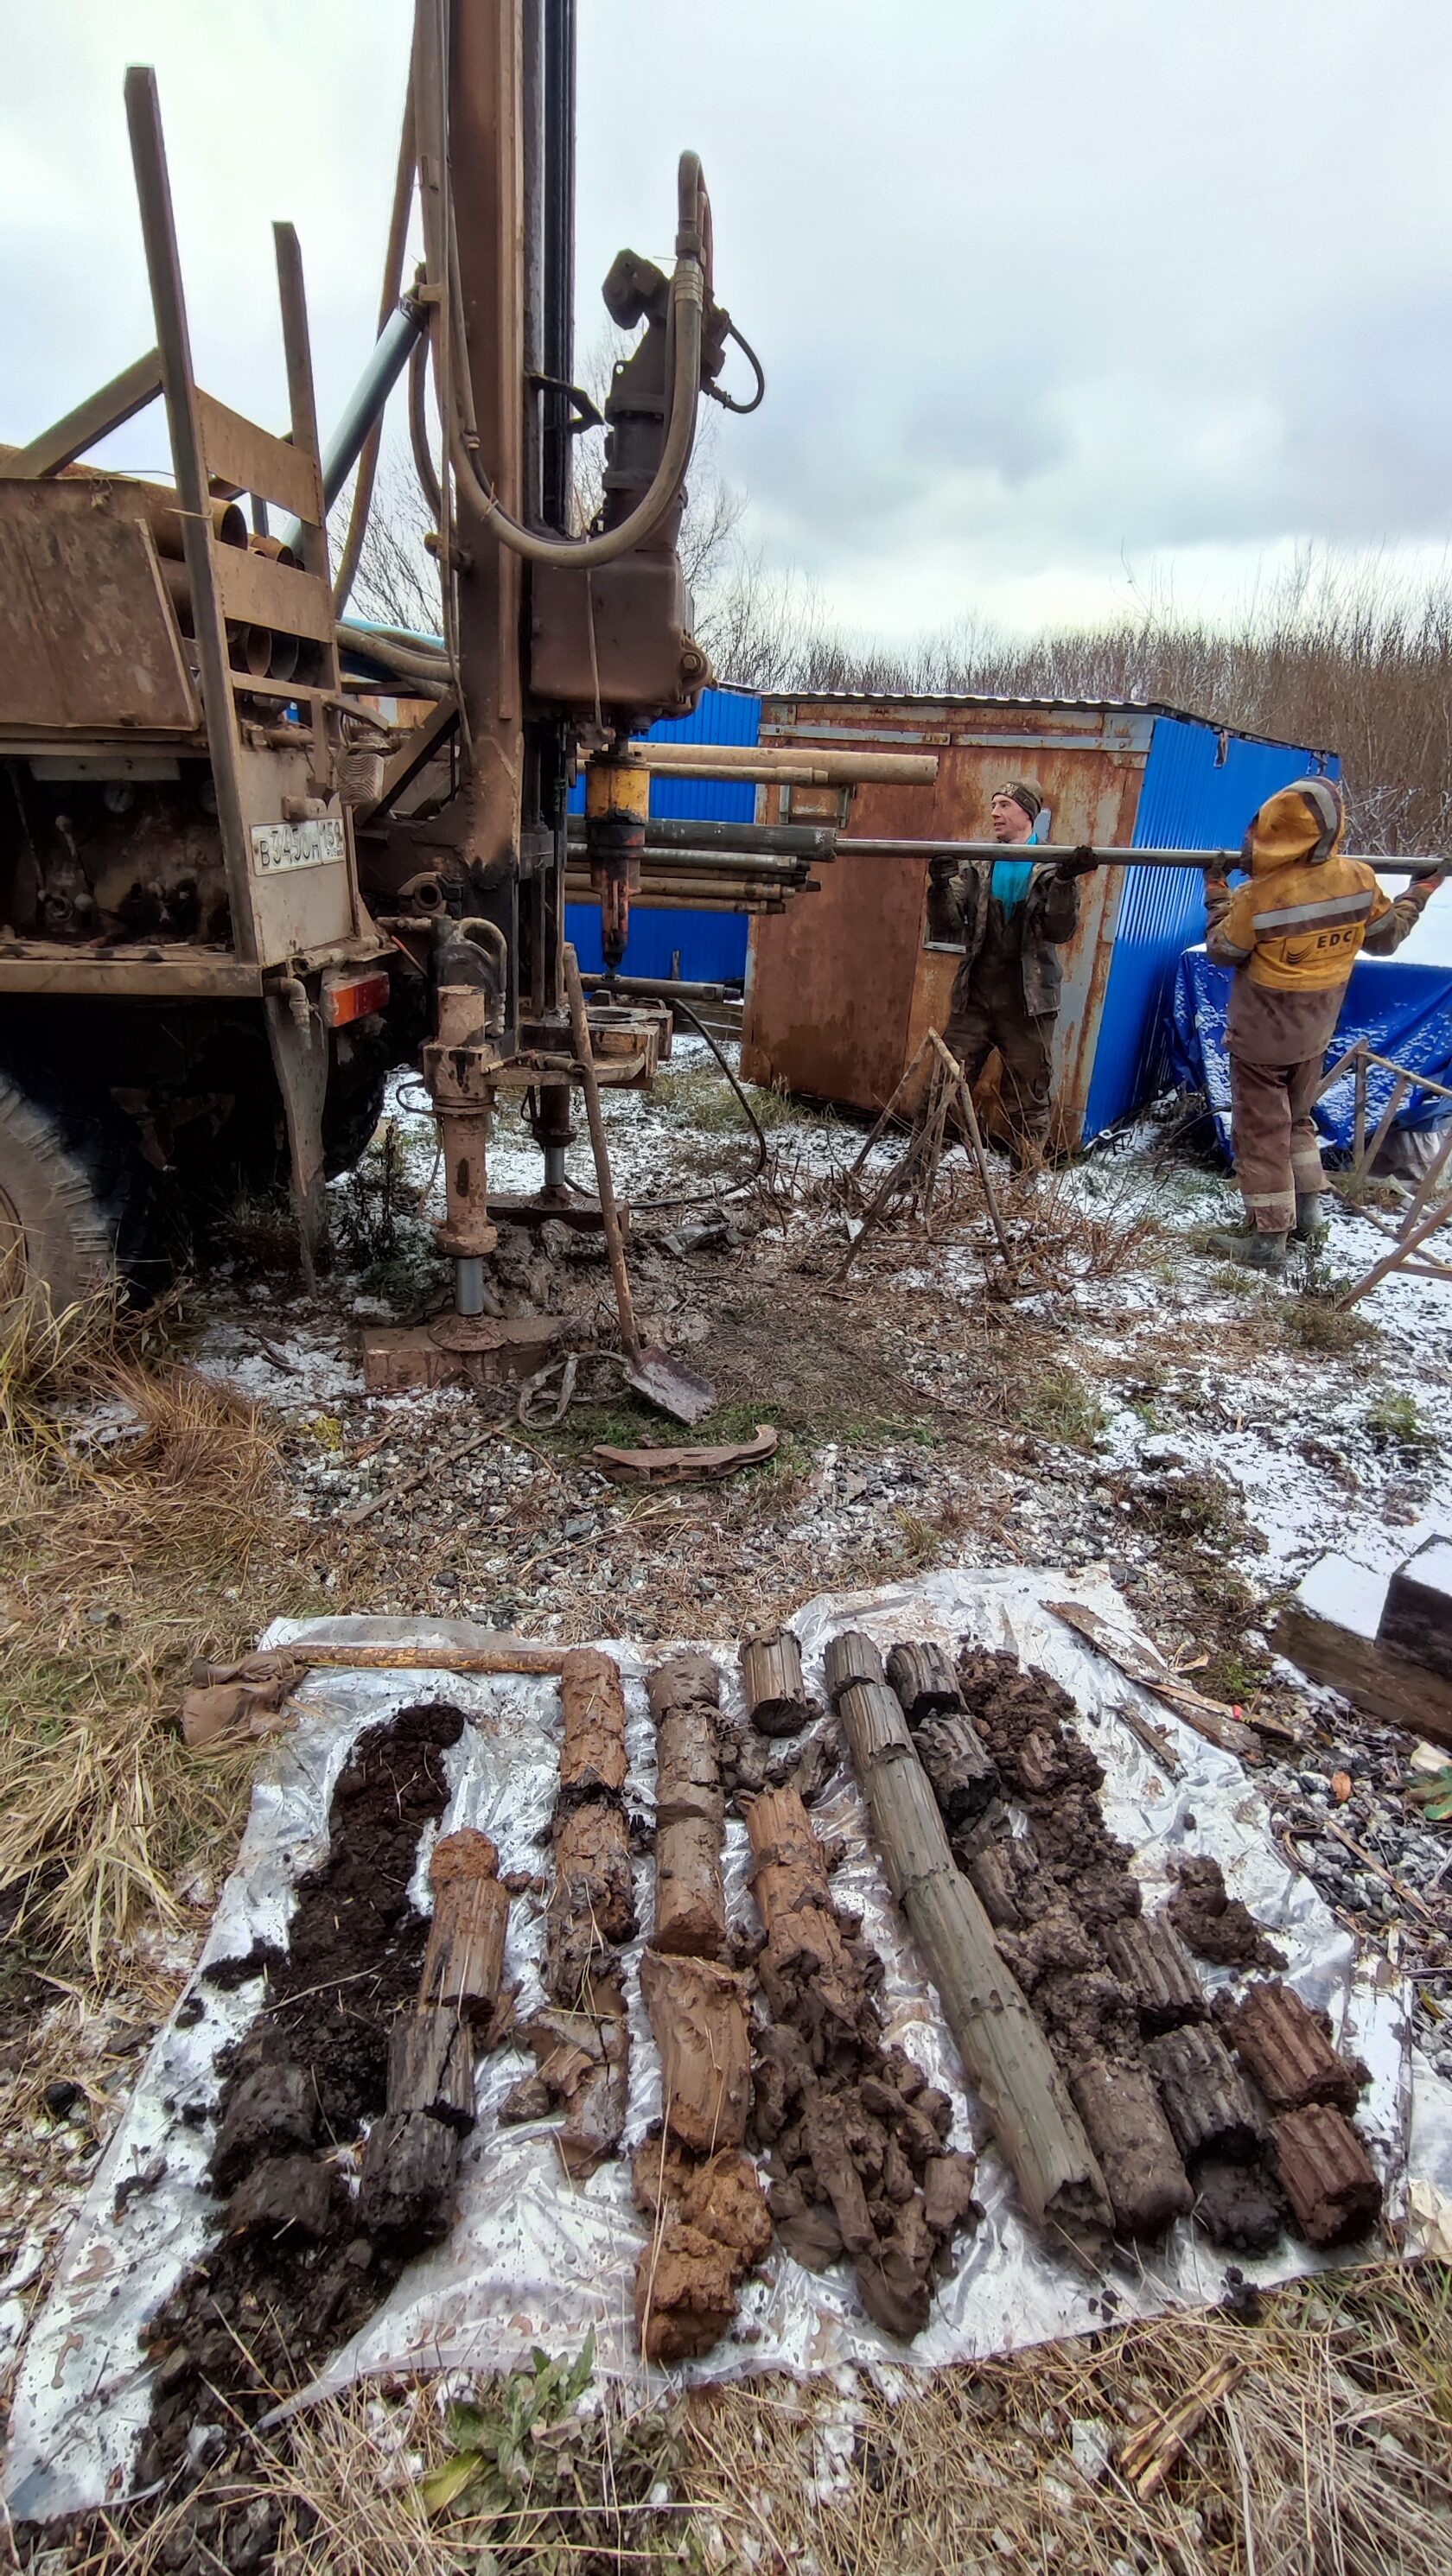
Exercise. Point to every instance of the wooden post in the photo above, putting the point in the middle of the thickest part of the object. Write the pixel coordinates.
(1358, 1133)
(1004, 2051)
(855, 1168)
(599, 1146)
(952, 1067)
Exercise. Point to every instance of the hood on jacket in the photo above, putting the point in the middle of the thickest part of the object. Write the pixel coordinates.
(1299, 826)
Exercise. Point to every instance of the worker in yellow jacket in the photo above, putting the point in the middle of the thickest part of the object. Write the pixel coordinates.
(1292, 932)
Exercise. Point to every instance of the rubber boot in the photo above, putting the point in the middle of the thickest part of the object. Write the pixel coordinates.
(1311, 1226)
(1256, 1251)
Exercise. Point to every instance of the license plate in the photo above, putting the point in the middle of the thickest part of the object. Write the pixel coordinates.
(296, 845)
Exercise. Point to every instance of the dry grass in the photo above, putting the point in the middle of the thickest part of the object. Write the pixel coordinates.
(1327, 2457)
(1330, 2454)
(1086, 1222)
(113, 1557)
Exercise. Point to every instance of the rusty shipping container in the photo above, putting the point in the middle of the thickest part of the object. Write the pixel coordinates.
(841, 988)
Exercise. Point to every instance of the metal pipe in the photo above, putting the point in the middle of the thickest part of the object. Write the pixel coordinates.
(796, 764)
(469, 1285)
(867, 847)
(395, 347)
(654, 987)
(772, 840)
(704, 881)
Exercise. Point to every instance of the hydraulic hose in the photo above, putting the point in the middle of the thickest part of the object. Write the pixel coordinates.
(418, 428)
(582, 553)
(689, 286)
(430, 670)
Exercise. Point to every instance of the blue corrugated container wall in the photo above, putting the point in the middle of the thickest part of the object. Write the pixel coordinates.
(1200, 789)
(711, 946)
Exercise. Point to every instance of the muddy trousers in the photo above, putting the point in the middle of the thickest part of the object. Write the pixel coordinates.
(1276, 1150)
(981, 1019)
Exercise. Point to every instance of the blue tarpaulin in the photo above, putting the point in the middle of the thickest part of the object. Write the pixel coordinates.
(1403, 1010)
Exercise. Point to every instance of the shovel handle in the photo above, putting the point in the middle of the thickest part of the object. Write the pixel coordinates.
(604, 1182)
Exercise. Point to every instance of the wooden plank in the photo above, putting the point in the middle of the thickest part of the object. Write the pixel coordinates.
(255, 591)
(94, 419)
(252, 460)
(1379, 1682)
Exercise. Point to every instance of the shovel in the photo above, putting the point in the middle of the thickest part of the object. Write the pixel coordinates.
(654, 1373)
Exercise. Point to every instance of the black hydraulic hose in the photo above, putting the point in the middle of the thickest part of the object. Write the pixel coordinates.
(418, 428)
(728, 401)
(706, 1198)
(688, 290)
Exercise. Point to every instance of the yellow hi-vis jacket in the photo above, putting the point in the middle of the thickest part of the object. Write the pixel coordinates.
(1301, 921)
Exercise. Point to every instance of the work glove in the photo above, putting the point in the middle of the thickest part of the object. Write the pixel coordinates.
(1078, 863)
(1427, 880)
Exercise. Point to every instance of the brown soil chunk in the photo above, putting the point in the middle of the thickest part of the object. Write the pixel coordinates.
(1208, 2105)
(857, 2161)
(1240, 2206)
(583, 2065)
(255, 2316)
(1148, 2185)
(1327, 2176)
(284, 2193)
(711, 2225)
(1216, 1926)
(685, 2294)
(1286, 2049)
(592, 1903)
(924, 1681)
(592, 1756)
(1150, 1964)
(271, 2108)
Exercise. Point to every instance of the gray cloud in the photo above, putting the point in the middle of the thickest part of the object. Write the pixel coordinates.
(1040, 286)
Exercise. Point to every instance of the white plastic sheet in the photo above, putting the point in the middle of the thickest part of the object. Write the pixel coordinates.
(538, 2260)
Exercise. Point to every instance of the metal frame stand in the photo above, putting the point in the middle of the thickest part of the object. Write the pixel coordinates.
(917, 1167)
(1426, 1213)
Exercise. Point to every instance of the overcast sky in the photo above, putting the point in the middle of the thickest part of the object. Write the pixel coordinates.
(1059, 300)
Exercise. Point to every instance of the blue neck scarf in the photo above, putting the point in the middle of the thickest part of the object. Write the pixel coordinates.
(1009, 882)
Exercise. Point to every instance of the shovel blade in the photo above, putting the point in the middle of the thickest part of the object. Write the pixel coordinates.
(667, 1382)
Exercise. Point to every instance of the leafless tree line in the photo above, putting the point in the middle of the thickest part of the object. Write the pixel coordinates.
(1339, 655)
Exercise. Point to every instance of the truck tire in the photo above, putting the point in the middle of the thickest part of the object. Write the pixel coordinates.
(58, 1220)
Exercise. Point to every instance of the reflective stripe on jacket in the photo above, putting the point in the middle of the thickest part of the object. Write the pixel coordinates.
(1308, 910)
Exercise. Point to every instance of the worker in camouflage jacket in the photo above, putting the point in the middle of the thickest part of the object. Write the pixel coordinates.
(1292, 933)
(1011, 915)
